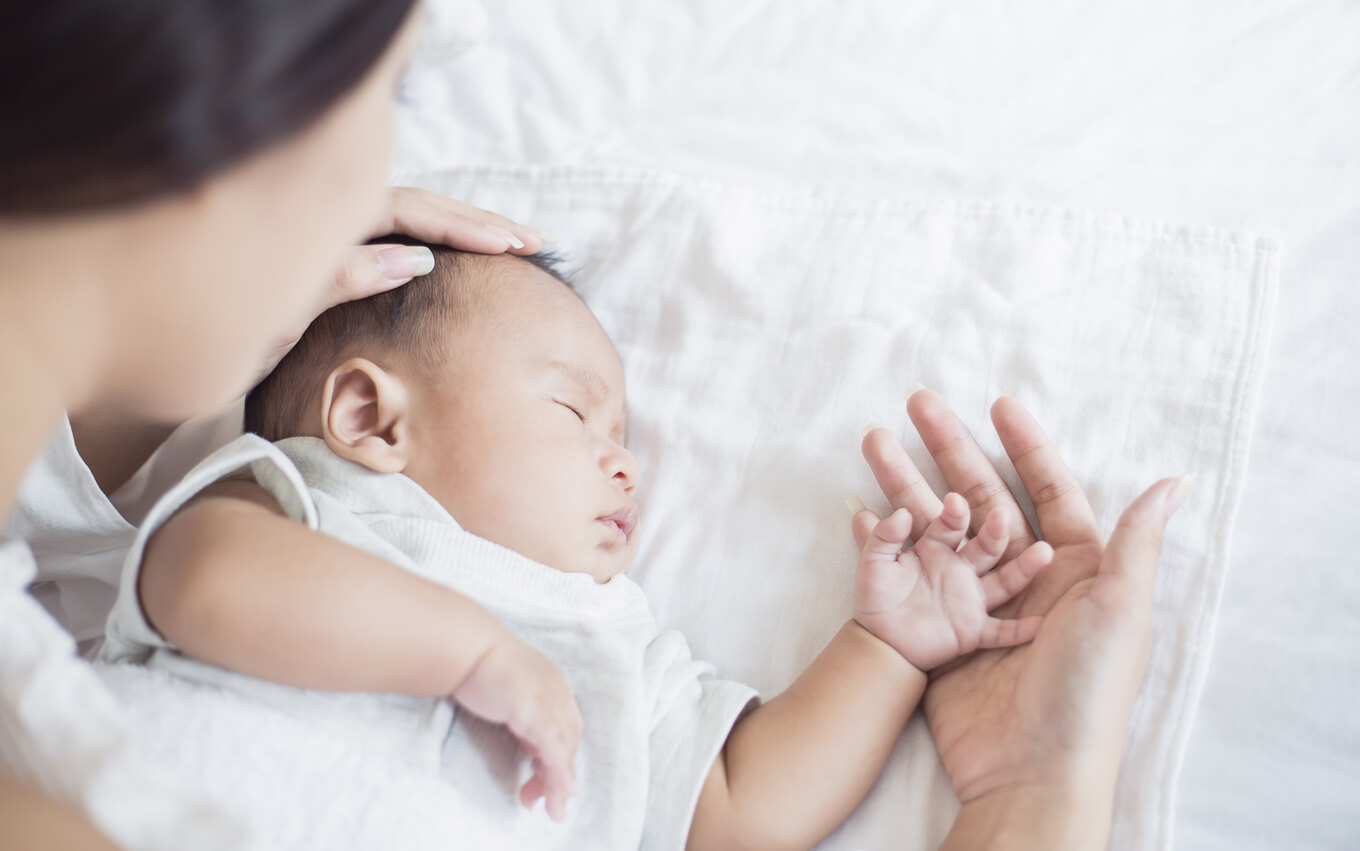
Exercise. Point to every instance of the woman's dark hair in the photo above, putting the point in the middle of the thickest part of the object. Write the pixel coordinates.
(107, 102)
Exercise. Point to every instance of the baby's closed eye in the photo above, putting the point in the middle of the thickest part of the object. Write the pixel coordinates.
(577, 411)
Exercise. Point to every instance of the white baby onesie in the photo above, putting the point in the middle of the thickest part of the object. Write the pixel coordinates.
(655, 719)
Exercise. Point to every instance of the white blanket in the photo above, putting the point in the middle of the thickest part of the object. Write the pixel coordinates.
(295, 782)
(760, 333)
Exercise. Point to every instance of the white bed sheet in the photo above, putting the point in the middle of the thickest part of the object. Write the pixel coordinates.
(1230, 114)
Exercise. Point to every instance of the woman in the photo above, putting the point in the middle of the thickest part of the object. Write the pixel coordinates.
(173, 205)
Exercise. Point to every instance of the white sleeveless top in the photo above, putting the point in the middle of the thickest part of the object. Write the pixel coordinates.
(79, 537)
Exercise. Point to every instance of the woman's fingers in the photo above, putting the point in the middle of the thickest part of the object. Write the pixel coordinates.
(900, 481)
(1013, 577)
(434, 218)
(966, 468)
(371, 269)
(1136, 544)
(1063, 512)
(1008, 633)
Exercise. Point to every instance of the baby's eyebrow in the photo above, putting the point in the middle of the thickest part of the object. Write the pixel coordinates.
(584, 376)
(591, 380)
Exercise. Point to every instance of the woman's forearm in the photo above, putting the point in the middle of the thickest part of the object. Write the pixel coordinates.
(230, 582)
(796, 767)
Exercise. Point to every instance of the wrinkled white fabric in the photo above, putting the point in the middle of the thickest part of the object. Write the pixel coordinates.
(62, 731)
(79, 537)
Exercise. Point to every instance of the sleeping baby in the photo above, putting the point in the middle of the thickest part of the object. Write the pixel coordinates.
(471, 428)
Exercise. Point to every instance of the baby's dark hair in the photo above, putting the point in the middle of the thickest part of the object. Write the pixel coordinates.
(412, 320)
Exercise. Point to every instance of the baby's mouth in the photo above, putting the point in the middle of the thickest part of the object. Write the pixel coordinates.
(622, 522)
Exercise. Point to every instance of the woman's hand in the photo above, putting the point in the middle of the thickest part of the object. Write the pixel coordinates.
(433, 218)
(428, 217)
(1044, 721)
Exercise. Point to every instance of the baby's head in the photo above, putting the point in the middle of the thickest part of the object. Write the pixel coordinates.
(490, 384)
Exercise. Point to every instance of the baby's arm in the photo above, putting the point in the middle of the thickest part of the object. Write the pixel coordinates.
(232, 581)
(796, 767)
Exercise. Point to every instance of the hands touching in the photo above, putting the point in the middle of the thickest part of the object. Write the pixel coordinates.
(930, 601)
(428, 217)
(1045, 720)
(516, 686)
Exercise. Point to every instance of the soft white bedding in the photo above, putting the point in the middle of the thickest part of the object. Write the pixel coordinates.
(758, 337)
(1228, 114)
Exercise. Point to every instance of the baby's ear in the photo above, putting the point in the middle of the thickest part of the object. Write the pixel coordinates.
(366, 416)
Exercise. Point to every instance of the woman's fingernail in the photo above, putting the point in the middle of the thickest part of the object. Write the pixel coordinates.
(913, 390)
(515, 242)
(864, 432)
(856, 505)
(403, 262)
(1175, 498)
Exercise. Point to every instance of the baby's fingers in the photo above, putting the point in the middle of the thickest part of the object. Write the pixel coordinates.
(1011, 578)
(888, 536)
(1008, 633)
(983, 551)
(862, 521)
(952, 524)
(535, 787)
(554, 787)
(552, 742)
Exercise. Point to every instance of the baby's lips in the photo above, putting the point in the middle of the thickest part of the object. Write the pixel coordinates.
(625, 518)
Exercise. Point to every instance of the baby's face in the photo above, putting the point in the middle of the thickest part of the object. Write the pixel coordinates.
(520, 435)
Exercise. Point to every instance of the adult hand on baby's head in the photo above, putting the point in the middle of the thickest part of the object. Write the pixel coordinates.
(516, 686)
(930, 601)
(1050, 716)
(439, 220)
(425, 216)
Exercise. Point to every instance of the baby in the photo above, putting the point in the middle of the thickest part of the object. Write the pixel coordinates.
(470, 427)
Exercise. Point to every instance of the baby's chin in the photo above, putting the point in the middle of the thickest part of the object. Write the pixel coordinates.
(606, 568)
(601, 565)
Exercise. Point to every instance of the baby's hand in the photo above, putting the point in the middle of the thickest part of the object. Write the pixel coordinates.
(930, 602)
(516, 686)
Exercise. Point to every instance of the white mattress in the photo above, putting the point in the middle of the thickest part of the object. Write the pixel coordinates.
(1229, 114)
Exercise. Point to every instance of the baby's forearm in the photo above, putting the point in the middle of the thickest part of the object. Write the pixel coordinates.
(231, 581)
(796, 767)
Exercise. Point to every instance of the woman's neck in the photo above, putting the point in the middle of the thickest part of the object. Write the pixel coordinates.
(52, 344)
(115, 444)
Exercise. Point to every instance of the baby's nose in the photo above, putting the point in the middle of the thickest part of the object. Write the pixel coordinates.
(622, 469)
